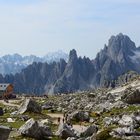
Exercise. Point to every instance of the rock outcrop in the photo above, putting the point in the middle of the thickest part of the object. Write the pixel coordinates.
(78, 116)
(35, 129)
(4, 132)
(78, 74)
(89, 131)
(29, 105)
(131, 96)
(65, 131)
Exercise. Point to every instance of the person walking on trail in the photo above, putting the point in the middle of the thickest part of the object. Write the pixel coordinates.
(63, 120)
(66, 117)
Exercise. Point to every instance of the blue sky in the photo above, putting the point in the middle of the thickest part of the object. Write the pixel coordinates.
(42, 26)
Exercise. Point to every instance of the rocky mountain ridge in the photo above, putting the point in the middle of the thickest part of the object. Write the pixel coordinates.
(78, 74)
(12, 64)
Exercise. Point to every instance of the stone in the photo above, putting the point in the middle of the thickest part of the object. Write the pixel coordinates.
(14, 113)
(59, 109)
(29, 105)
(24, 117)
(124, 131)
(48, 106)
(91, 120)
(10, 120)
(71, 138)
(46, 121)
(111, 120)
(79, 116)
(4, 132)
(35, 129)
(89, 131)
(131, 96)
(65, 131)
(127, 120)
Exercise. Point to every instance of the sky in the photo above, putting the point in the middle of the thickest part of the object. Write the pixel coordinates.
(41, 26)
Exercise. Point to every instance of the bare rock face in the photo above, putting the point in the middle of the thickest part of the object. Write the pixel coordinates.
(34, 129)
(29, 105)
(65, 131)
(4, 132)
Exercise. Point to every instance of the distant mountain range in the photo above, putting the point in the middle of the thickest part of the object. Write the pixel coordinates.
(11, 64)
(118, 57)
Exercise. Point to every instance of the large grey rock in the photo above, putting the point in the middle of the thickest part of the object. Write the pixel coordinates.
(65, 131)
(35, 129)
(79, 116)
(128, 120)
(124, 131)
(29, 105)
(89, 131)
(111, 120)
(48, 105)
(131, 96)
(4, 132)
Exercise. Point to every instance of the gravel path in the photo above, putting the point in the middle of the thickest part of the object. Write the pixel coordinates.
(79, 128)
(10, 103)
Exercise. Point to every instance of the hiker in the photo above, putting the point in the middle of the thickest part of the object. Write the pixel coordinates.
(63, 120)
(66, 116)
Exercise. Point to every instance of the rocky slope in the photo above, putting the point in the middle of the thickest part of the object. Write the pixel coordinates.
(103, 114)
(78, 74)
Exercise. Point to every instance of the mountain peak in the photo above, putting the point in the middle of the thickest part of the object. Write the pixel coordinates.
(73, 54)
(121, 41)
(119, 46)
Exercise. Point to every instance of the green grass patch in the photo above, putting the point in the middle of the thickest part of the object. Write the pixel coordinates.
(104, 135)
(37, 116)
(16, 124)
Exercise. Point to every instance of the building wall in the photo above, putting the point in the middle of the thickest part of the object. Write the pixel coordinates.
(9, 90)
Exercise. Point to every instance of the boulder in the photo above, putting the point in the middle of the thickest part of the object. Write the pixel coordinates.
(4, 132)
(10, 120)
(127, 120)
(13, 113)
(65, 131)
(79, 116)
(124, 131)
(24, 117)
(29, 105)
(46, 121)
(48, 105)
(59, 109)
(131, 96)
(89, 131)
(111, 120)
(35, 129)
